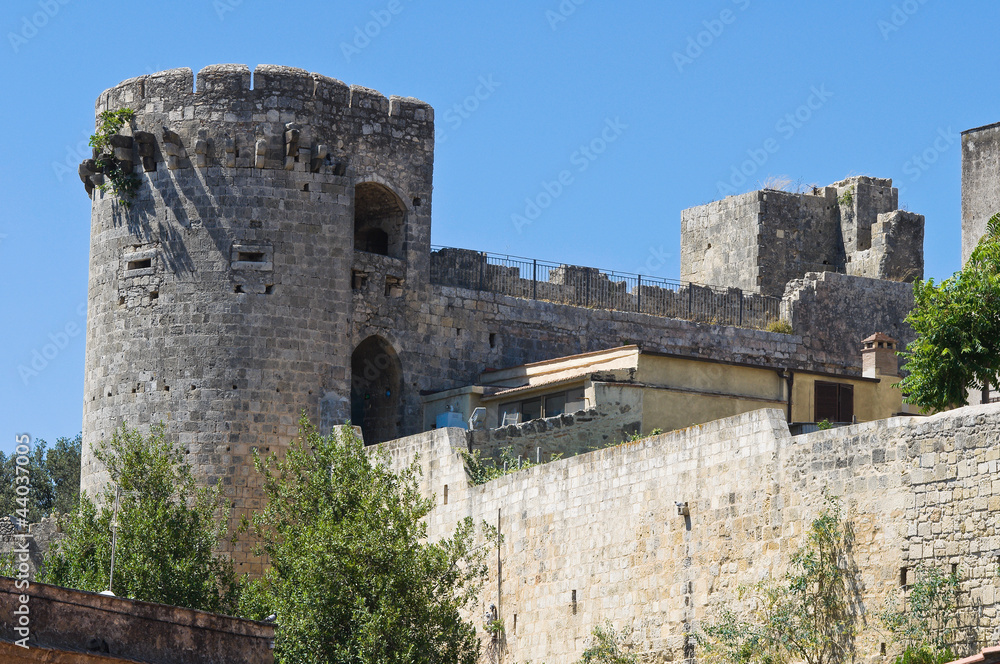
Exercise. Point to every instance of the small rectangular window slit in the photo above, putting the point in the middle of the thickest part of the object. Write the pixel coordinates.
(445, 494)
(250, 256)
(140, 264)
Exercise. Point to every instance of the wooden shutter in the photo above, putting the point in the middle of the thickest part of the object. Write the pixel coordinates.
(846, 399)
(833, 402)
(825, 403)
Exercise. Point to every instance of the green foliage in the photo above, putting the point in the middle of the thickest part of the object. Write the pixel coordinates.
(924, 623)
(122, 183)
(53, 476)
(807, 617)
(780, 326)
(957, 323)
(925, 655)
(847, 197)
(168, 530)
(352, 576)
(484, 469)
(608, 646)
(824, 425)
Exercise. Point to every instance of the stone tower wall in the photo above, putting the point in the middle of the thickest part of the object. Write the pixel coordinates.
(221, 302)
(980, 183)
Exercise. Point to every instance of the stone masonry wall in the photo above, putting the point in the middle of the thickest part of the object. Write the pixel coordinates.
(719, 242)
(980, 183)
(832, 310)
(598, 536)
(567, 435)
(220, 303)
(39, 538)
(762, 240)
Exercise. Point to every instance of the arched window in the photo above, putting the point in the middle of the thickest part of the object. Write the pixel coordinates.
(378, 220)
(376, 381)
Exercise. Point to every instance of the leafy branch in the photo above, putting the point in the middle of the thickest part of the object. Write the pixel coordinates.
(120, 179)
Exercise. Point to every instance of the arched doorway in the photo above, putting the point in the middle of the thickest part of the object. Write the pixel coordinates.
(376, 380)
(378, 220)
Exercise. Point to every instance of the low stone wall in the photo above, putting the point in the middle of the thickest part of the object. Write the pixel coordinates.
(39, 538)
(70, 625)
(564, 435)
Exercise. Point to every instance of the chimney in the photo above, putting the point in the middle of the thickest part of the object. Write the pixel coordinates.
(878, 356)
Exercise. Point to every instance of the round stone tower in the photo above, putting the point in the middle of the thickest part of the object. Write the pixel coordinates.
(222, 302)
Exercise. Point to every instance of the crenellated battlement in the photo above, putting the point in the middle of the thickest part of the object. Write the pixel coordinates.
(275, 118)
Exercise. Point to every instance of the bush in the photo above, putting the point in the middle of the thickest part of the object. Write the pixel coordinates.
(781, 326)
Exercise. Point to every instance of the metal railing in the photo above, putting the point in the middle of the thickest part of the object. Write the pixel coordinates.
(535, 279)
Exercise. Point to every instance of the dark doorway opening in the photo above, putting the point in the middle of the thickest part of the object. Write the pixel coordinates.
(376, 381)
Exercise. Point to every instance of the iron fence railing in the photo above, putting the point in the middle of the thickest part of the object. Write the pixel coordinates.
(600, 289)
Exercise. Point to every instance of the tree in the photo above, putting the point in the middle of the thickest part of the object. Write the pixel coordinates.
(352, 576)
(957, 323)
(54, 476)
(167, 533)
(807, 618)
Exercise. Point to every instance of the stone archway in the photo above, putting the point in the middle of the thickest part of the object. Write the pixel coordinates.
(376, 382)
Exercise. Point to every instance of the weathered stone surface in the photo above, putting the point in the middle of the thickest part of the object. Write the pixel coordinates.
(603, 526)
(761, 240)
(980, 183)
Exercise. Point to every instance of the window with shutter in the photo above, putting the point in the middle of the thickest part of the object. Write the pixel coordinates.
(833, 402)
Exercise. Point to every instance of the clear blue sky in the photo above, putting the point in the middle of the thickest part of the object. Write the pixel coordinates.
(686, 90)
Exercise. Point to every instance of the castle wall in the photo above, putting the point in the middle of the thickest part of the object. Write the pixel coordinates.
(980, 183)
(831, 310)
(798, 233)
(598, 537)
(897, 249)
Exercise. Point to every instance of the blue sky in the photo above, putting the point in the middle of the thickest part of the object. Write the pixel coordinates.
(669, 96)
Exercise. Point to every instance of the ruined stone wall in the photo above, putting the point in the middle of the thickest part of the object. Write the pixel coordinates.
(762, 240)
(598, 536)
(39, 538)
(830, 311)
(564, 435)
(980, 183)
(798, 233)
(897, 249)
